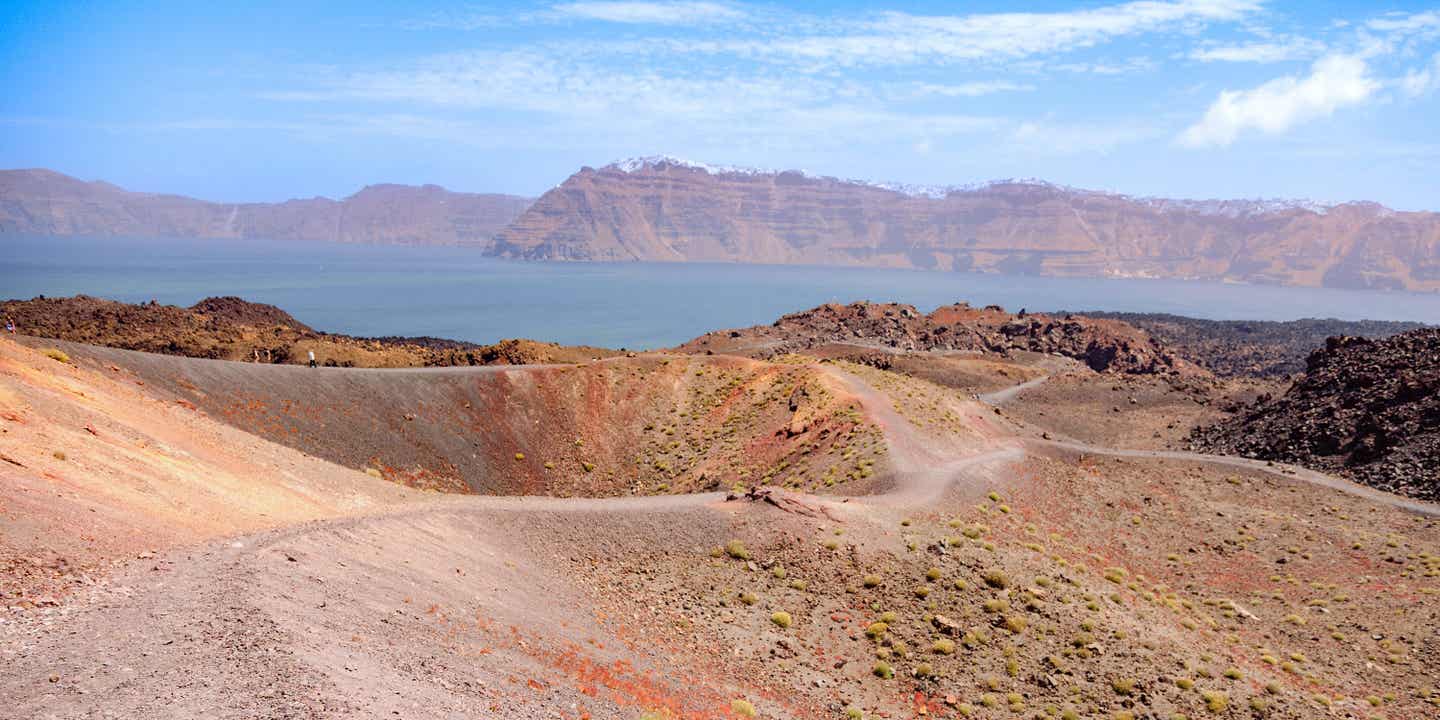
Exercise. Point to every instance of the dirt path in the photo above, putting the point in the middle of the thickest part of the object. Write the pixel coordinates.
(335, 618)
(1001, 397)
(1288, 471)
(452, 607)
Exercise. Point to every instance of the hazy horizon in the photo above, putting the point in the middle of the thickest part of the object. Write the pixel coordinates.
(1199, 99)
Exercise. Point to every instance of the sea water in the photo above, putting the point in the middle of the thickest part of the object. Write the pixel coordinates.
(456, 293)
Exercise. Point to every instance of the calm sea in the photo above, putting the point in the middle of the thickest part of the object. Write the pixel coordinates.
(455, 293)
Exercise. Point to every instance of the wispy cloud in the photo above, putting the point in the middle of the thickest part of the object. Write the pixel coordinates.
(1428, 21)
(727, 71)
(1123, 67)
(1419, 82)
(1334, 82)
(967, 89)
(1047, 137)
(896, 38)
(650, 13)
(1261, 52)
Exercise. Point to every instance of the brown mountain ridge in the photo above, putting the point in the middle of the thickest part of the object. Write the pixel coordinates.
(44, 202)
(666, 210)
(661, 209)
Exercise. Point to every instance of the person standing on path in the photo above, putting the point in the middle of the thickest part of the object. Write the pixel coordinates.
(9, 325)
(312, 358)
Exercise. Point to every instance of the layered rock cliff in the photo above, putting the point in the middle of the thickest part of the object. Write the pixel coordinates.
(667, 210)
(42, 202)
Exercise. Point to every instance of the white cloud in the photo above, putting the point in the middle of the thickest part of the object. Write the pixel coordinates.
(1260, 52)
(1421, 82)
(969, 89)
(897, 38)
(576, 98)
(650, 13)
(1125, 67)
(1402, 23)
(1334, 82)
(1045, 137)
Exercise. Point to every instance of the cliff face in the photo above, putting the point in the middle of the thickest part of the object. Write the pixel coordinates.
(666, 210)
(41, 202)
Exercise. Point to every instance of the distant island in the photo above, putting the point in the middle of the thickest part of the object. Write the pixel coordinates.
(667, 210)
(47, 203)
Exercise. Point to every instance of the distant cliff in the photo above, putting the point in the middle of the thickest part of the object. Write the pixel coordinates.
(660, 209)
(43, 202)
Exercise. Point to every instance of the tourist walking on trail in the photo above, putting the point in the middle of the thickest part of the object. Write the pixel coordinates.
(312, 358)
(9, 325)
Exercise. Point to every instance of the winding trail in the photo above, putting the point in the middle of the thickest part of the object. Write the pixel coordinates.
(1295, 472)
(1001, 397)
(302, 621)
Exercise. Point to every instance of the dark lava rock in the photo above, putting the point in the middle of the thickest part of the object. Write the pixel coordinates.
(1366, 409)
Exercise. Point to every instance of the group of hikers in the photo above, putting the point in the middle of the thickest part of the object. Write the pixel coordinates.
(256, 354)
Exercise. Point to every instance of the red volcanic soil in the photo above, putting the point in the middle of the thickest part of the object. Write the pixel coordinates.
(995, 576)
(646, 425)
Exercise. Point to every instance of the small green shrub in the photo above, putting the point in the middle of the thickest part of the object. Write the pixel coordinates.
(883, 670)
(943, 646)
(871, 581)
(1215, 700)
(743, 708)
(56, 354)
(782, 619)
(736, 549)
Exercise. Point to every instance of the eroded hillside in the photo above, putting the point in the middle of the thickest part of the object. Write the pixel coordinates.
(991, 574)
(644, 425)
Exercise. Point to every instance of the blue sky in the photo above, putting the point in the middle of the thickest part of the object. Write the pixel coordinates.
(1181, 98)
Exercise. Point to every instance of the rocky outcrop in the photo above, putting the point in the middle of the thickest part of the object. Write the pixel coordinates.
(1252, 348)
(230, 328)
(670, 211)
(1368, 409)
(1103, 345)
(42, 202)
